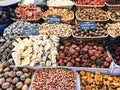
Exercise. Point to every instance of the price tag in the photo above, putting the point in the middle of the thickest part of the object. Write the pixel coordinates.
(30, 32)
(40, 2)
(53, 19)
(87, 25)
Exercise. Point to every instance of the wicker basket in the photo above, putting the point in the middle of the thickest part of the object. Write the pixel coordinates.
(99, 6)
(112, 6)
(63, 20)
(91, 20)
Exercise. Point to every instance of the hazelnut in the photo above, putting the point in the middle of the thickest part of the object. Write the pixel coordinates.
(25, 70)
(22, 77)
(2, 80)
(15, 80)
(19, 73)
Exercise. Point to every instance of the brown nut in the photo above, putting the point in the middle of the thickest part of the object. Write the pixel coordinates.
(19, 85)
(15, 80)
(27, 81)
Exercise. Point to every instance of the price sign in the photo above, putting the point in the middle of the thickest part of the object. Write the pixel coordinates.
(53, 19)
(30, 32)
(87, 25)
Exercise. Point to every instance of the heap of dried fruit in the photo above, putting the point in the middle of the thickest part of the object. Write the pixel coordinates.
(113, 2)
(101, 30)
(113, 29)
(98, 81)
(86, 54)
(54, 79)
(15, 78)
(115, 51)
(5, 50)
(92, 14)
(90, 2)
(35, 50)
(29, 12)
(60, 30)
(64, 13)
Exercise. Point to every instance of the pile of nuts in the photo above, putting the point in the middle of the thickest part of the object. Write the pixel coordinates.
(15, 78)
(113, 29)
(5, 50)
(30, 11)
(19, 27)
(98, 81)
(83, 54)
(92, 14)
(115, 51)
(115, 15)
(60, 30)
(101, 30)
(54, 79)
(35, 50)
(113, 2)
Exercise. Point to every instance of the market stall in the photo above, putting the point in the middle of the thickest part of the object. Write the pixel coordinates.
(60, 45)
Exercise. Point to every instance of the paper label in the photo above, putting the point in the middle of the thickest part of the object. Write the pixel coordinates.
(87, 25)
(53, 19)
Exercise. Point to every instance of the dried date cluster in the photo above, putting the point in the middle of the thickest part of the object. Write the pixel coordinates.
(92, 14)
(54, 79)
(87, 54)
(98, 81)
(30, 11)
(15, 78)
(101, 30)
(5, 50)
(115, 51)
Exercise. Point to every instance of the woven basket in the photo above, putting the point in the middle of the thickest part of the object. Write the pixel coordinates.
(99, 6)
(112, 6)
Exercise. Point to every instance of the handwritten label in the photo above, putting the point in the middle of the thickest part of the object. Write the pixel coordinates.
(87, 25)
(53, 19)
(30, 32)
(64, 67)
